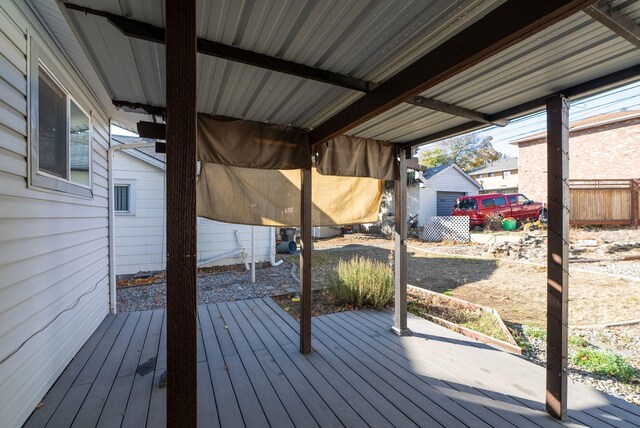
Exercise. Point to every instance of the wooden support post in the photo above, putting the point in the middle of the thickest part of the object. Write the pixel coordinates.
(305, 261)
(635, 202)
(400, 238)
(557, 254)
(182, 353)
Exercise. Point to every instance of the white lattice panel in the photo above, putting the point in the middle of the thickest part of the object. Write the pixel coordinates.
(450, 228)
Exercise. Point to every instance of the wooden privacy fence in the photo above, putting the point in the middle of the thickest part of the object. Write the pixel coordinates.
(604, 202)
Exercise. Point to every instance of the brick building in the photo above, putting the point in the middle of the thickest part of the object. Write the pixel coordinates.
(601, 147)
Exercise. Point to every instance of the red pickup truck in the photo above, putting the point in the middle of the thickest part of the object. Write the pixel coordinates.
(514, 205)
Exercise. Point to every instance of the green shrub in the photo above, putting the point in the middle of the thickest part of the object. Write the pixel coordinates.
(604, 362)
(362, 282)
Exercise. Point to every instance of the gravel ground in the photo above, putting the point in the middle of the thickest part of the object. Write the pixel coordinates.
(213, 287)
(623, 340)
(629, 268)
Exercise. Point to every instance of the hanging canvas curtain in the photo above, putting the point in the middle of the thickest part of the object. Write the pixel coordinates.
(272, 197)
(250, 174)
(357, 157)
(248, 144)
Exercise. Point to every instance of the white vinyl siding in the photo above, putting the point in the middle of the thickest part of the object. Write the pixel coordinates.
(140, 240)
(53, 246)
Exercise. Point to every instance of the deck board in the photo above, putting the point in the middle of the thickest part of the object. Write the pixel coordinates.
(224, 395)
(250, 407)
(349, 406)
(494, 368)
(66, 379)
(251, 373)
(295, 408)
(93, 404)
(138, 405)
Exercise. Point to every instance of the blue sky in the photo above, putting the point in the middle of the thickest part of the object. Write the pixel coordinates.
(623, 98)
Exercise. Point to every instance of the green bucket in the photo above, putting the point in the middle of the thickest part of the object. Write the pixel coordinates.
(509, 224)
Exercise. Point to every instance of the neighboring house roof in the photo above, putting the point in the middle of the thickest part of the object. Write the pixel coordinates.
(592, 122)
(145, 154)
(496, 166)
(430, 173)
(79, 155)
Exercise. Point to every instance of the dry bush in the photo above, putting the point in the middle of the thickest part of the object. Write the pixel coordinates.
(493, 222)
(361, 282)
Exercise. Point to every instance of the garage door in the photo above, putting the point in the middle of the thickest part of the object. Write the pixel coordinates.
(446, 201)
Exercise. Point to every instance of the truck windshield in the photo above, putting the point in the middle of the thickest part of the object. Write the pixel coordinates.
(466, 204)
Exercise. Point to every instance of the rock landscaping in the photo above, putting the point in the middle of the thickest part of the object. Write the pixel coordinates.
(214, 285)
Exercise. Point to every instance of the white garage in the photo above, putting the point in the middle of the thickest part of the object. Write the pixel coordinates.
(442, 186)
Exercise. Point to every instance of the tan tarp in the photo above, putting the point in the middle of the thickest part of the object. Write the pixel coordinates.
(248, 144)
(272, 197)
(357, 157)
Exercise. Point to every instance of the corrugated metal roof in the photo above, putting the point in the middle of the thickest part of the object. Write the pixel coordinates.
(366, 39)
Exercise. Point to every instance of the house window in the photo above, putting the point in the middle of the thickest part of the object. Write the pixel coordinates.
(124, 197)
(505, 174)
(479, 176)
(60, 133)
(121, 198)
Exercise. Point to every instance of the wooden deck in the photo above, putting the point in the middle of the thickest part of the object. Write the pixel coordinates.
(360, 374)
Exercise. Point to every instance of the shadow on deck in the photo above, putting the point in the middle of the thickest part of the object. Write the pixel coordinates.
(250, 373)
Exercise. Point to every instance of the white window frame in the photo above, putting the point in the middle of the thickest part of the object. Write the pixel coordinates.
(132, 196)
(42, 180)
(506, 174)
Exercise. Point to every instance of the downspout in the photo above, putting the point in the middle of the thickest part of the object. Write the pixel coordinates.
(112, 258)
(273, 249)
(253, 254)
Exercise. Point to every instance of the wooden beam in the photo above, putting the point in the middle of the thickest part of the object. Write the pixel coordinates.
(134, 107)
(305, 261)
(616, 21)
(455, 110)
(400, 239)
(589, 87)
(144, 31)
(635, 202)
(182, 326)
(156, 131)
(503, 27)
(557, 255)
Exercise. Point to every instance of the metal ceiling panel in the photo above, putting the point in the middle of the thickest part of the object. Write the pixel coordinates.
(575, 50)
(367, 39)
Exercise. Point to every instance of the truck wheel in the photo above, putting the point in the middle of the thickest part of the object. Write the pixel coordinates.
(542, 216)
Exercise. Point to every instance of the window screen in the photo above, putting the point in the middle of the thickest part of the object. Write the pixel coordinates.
(121, 198)
(79, 144)
(52, 127)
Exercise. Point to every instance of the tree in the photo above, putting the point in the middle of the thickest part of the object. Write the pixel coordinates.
(467, 151)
